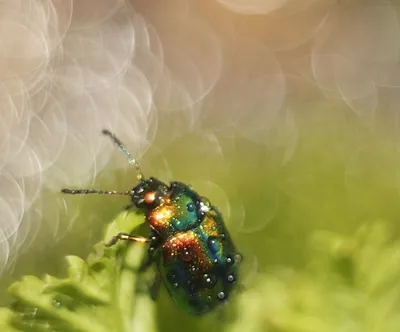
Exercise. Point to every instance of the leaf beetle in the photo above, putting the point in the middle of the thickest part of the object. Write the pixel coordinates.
(195, 256)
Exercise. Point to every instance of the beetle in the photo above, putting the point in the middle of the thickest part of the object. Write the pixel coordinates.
(195, 256)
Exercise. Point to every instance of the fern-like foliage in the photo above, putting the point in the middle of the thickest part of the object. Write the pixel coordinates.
(98, 295)
(350, 285)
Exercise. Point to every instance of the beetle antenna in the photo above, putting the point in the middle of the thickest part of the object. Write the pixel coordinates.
(95, 191)
(125, 151)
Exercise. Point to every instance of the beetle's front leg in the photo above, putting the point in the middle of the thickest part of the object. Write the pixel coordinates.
(126, 237)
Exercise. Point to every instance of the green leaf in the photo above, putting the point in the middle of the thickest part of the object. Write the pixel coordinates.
(97, 295)
(350, 285)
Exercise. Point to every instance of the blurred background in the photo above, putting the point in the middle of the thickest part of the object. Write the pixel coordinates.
(285, 113)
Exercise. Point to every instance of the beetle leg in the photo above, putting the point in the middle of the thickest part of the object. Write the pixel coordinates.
(126, 237)
(155, 287)
(154, 244)
(129, 207)
(146, 264)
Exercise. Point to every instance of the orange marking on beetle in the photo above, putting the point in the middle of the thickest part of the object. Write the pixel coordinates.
(160, 217)
(150, 197)
(188, 249)
(210, 226)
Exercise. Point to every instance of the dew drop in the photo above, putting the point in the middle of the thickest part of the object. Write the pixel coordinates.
(231, 278)
(204, 208)
(213, 244)
(186, 255)
(190, 207)
(209, 280)
(238, 258)
(221, 295)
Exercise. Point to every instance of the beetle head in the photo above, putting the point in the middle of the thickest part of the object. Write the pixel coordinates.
(148, 194)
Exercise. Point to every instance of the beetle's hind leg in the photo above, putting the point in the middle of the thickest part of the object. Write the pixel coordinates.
(150, 286)
(146, 263)
(155, 287)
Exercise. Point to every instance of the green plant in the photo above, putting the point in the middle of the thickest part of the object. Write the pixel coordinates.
(350, 284)
(99, 294)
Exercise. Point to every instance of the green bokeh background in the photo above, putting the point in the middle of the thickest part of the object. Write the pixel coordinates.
(342, 174)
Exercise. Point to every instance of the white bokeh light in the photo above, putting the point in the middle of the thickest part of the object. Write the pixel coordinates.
(70, 68)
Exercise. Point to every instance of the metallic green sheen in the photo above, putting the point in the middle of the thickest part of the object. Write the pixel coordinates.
(182, 195)
(196, 258)
(189, 288)
(203, 270)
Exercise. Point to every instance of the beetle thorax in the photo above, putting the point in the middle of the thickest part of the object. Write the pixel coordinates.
(161, 218)
(179, 210)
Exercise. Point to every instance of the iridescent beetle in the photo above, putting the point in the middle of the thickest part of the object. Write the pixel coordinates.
(195, 256)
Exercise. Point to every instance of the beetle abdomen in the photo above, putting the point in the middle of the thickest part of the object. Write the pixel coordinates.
(199, 267)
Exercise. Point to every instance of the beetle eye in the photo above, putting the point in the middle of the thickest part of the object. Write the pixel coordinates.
(150, 197)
